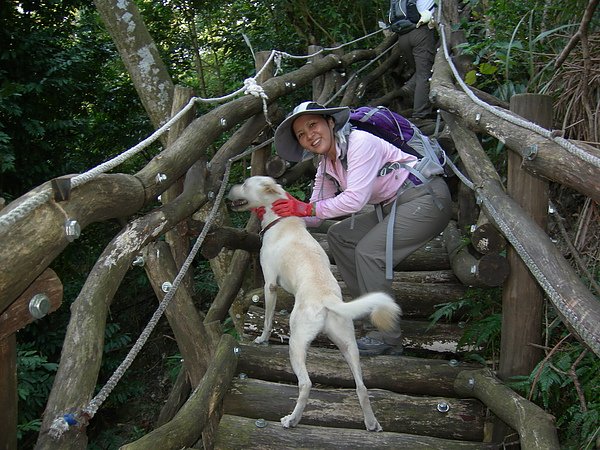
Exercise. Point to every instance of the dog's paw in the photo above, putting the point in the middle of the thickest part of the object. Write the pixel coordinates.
(374, 427)
(288, 421)
(261, 340)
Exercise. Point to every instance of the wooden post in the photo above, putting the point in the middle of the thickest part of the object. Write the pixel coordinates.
(8, 392)
(15, 317)
(522, 298)
(259, 158)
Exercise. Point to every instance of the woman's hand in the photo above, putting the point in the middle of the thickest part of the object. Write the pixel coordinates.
(260, 212)
(292, 207)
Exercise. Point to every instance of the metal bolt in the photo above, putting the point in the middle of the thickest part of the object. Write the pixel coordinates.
(138, 261)
(39, 305)
(261, 423)
(211, 195)
(530, 152)
(443, 407)
(237, 351)
(166, 286)
(160, 177)
(242, 376)
(72, 229)
(473, 269)
(471, 383)
(223, 122)
(477, 118)
(453, 363)
(255, 298)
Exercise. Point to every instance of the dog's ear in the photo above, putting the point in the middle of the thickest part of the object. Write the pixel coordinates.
(272, 188)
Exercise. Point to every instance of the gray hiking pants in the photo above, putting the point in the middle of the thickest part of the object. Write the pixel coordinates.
(359, 251)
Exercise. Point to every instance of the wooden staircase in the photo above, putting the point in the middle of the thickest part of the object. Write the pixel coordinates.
(413, 395)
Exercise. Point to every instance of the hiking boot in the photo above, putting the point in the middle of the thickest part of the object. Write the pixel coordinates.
(370, 346)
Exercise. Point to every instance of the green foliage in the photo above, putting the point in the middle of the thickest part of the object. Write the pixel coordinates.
(35, 375)
(568, 384)
(174, 364)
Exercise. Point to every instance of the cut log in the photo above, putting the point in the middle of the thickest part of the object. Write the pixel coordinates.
(536, 428)
(486, 270)
(486, 238)
(418, 297)
(340, 408)
(241, 433)
(416, 335)
(401, 374)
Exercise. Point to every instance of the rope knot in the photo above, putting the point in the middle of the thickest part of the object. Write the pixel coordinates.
(253, 88)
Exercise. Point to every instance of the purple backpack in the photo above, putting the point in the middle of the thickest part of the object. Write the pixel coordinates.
(385, 124)
(400, 132)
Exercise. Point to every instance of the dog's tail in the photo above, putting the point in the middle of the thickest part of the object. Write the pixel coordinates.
(384, 312)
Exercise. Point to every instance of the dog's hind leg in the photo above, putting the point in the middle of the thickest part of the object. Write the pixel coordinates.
(342, 335)
(298, 349)
(270, 302)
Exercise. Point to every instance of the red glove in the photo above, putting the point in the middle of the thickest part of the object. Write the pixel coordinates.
(292, 207)
(260, 212)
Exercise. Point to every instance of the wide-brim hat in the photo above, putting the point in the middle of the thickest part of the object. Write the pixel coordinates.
(286, 144)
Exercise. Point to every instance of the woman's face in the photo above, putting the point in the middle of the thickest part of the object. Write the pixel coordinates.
(315, 134)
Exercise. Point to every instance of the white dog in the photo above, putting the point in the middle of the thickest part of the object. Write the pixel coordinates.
(293, 259)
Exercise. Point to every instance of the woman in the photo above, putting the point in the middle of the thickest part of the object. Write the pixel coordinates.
(356, 169)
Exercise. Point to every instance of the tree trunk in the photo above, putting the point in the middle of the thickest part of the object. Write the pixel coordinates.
(141, 57)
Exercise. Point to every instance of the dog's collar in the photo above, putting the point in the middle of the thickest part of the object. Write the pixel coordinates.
(269, 225)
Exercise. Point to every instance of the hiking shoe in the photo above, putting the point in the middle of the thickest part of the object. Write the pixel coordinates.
(369, 346)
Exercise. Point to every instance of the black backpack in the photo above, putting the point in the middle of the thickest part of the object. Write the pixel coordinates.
(403, 15)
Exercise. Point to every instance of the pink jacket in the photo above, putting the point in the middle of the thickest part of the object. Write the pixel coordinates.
(359, 184)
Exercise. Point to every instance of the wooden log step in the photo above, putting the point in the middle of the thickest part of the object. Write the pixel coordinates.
(432, 256)
(401, 374)
(241, 433)
(418, 293)
(464, 418)
(417, 336)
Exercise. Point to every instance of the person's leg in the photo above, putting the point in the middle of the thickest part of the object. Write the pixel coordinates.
(418, 219)
(343, 238)
(422, 41)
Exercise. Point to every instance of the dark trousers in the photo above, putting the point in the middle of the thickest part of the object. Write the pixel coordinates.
(422, 44)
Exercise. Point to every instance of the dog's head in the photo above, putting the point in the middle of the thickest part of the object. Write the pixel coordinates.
(255, 192)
